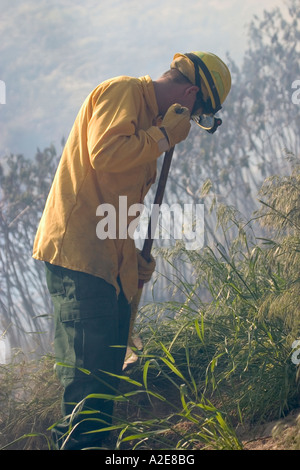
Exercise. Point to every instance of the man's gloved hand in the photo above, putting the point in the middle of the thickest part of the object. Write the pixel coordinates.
(176, 123)
(145, 268)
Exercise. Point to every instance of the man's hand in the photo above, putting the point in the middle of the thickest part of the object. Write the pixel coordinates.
(176, 123)
(145, 268)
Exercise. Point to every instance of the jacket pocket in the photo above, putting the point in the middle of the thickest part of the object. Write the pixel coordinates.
(100, 307)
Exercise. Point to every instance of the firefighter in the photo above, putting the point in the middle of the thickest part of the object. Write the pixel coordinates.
(122, 128)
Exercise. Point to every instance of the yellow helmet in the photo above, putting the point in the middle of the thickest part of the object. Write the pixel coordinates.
(209, 73)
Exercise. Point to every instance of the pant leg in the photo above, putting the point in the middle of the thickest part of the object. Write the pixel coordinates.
(89, 320)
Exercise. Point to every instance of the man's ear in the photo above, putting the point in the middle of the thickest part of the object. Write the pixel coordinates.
(193, 89)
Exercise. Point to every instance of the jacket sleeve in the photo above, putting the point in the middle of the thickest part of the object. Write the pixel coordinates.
(115, 143)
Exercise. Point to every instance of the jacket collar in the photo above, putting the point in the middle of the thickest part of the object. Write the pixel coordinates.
(149, 94)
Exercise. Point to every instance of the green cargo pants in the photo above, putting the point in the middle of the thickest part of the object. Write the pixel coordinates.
(90, 320)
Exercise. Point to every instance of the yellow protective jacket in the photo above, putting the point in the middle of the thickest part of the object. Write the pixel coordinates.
(111, 151)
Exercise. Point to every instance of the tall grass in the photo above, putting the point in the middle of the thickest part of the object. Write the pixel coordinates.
(29, 402)
(234, 350)
(222, 357)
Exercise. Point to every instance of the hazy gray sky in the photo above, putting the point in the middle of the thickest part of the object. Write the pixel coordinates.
(53, 53)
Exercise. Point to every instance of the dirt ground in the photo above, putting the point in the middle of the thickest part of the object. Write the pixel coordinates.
(283, 434)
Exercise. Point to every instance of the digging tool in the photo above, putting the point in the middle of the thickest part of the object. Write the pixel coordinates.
(146, 251)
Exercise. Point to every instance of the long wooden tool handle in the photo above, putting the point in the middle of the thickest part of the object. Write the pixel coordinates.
(146, 251)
